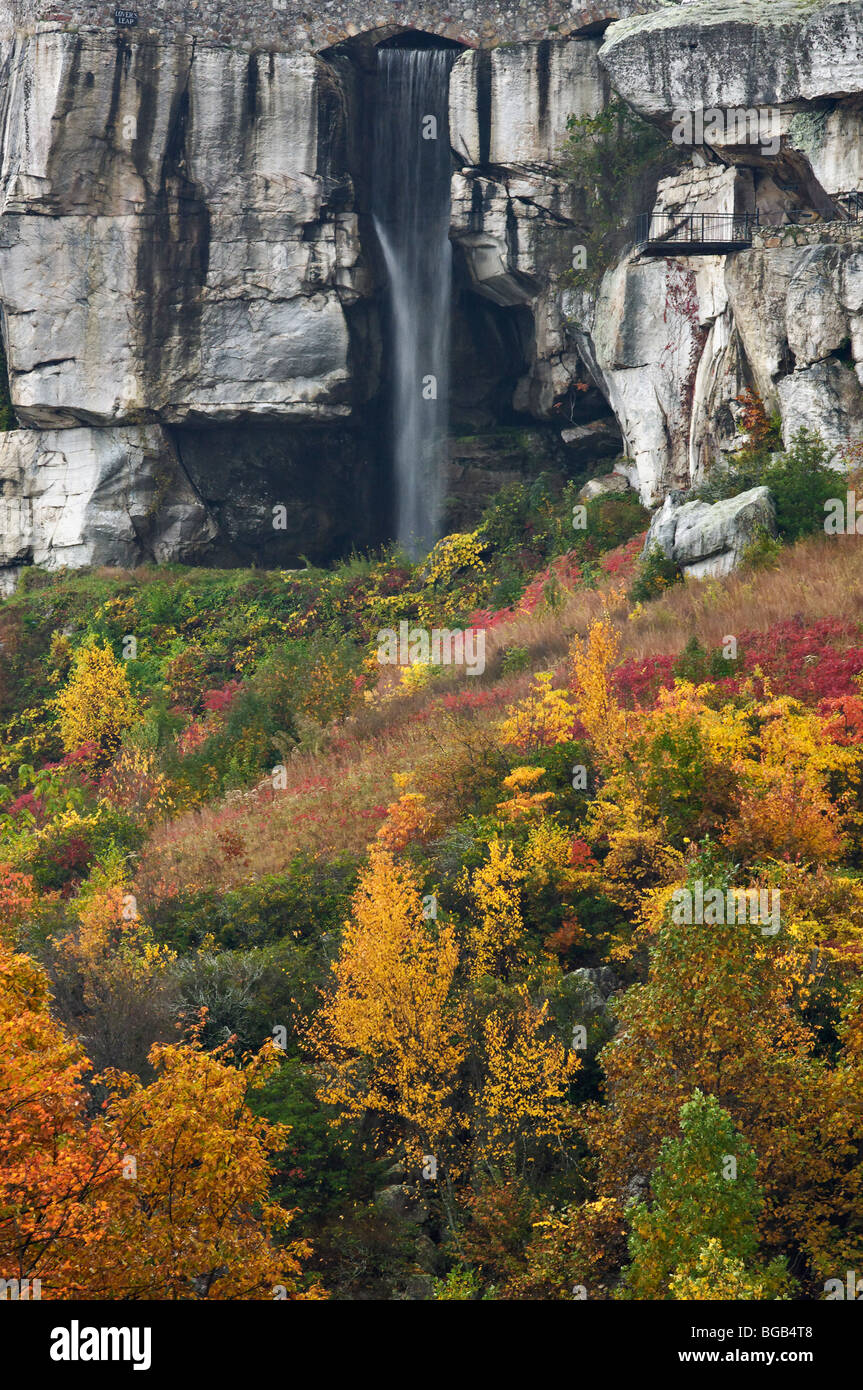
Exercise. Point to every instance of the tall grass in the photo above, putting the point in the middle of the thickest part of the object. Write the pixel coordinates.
(335, 799)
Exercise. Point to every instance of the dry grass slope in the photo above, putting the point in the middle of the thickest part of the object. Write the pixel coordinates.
(335, 799)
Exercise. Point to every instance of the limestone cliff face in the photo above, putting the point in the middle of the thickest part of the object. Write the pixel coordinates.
(178, 247)
(189, 282)
(192, 299)
(675, 338)
(515, 219)
(177, 229)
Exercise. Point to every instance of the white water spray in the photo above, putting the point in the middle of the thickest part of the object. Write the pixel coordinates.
(411, 211)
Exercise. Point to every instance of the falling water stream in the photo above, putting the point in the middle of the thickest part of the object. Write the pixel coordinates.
(411, 210)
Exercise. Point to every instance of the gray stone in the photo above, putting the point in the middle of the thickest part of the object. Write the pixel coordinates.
(168, 252)
(602, 487)
(596, 985)
(97, 497)
(709, 539)
(533, 90)
(736, 53)
(401, 1200)
(180, 252)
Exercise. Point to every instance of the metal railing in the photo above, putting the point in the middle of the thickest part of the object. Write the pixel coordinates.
(850, 203)
(720, 229)
(696, 228)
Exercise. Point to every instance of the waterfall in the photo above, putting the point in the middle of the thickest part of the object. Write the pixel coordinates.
(411, 211)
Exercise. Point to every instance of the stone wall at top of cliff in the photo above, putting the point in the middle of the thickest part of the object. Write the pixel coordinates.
(299, 24)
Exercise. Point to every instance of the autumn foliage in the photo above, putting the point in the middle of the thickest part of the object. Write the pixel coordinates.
(271, 1029)
(96, 707)
(161, 1194)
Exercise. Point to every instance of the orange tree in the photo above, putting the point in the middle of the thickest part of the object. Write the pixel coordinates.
(164, 1195)
(191, 1216)
(58, 1171)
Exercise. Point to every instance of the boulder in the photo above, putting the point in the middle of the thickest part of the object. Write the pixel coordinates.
(709, 539)
(402, 1201)
(595, 440)
(601, 487)
(596, 985)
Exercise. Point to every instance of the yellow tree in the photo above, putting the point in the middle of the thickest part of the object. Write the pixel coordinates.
(390, 1035)
(191, 1218)
(545, 717)
(593, 694)
(523, 1103)
(164, 1196)
(96, 707)
(495, 887)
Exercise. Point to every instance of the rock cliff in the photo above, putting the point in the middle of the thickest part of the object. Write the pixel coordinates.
(192, 296)
(675, 337)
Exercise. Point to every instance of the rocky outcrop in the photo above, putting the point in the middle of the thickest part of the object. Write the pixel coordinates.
(603, 486)
(648, 328)
(189, 278)
(96, 497)
(799, 316)
(515, 219)
(729, 53)
(676, 338)
(176, 239)
(708, 540)
(594, 986)
(179, 251)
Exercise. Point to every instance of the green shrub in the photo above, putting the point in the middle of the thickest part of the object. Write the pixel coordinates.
(655, 574)
(698, 665)
(612, 520)
(762, 552)
(323, 1165)
(460, 1285)
(514, 659)
(311, 898)
(609, 157)
(800, 481)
